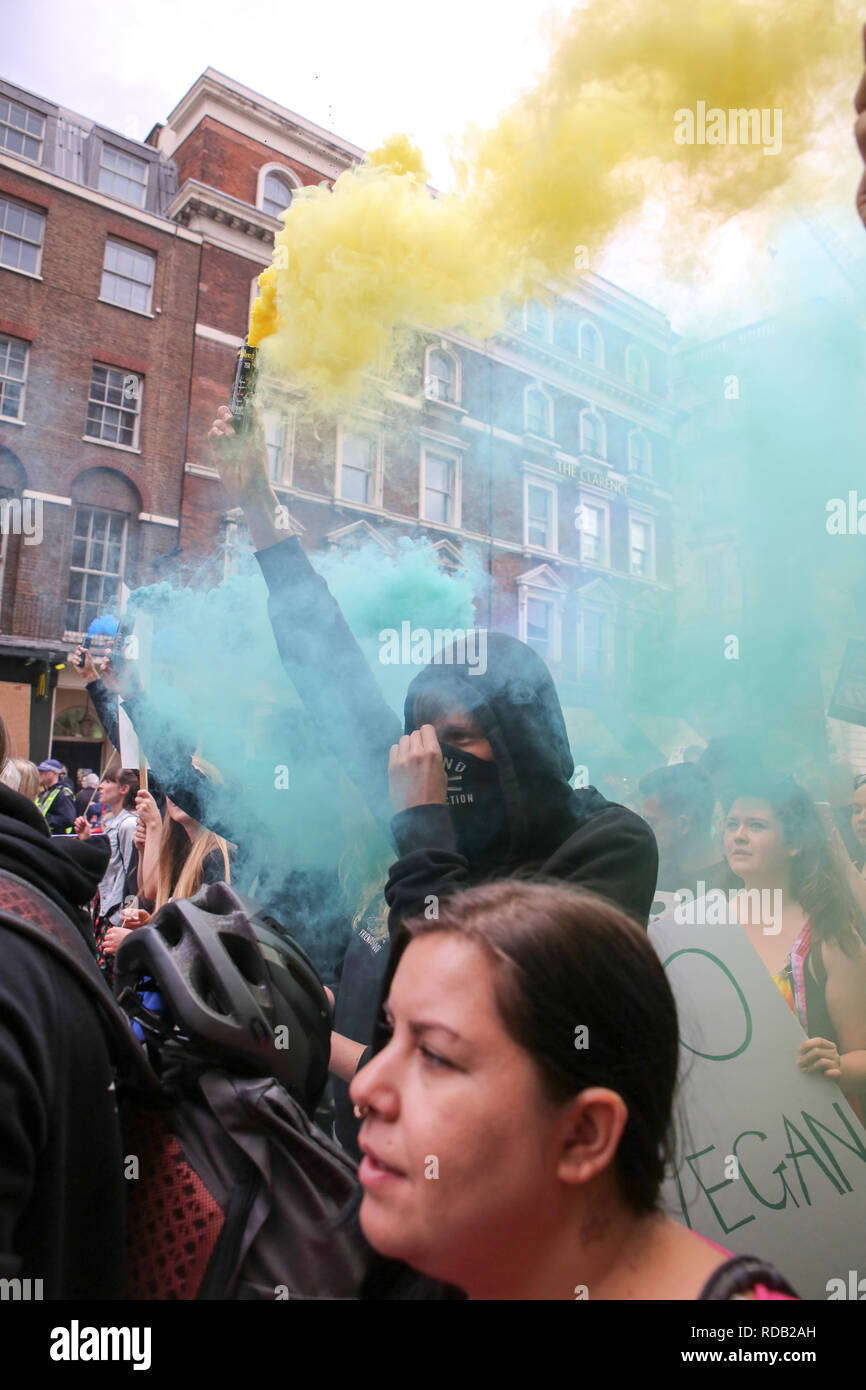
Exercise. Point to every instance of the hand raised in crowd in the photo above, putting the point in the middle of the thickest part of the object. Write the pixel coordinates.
(113, 938)
(242, 463)
(83, 663)
(147, 811)
(81, 826)
(416, 773)
(818, 1056)
(860, 135)
(240, 459)
(107, 674)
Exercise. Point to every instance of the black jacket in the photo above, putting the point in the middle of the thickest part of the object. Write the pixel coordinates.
(61, 1156)
(68, 871)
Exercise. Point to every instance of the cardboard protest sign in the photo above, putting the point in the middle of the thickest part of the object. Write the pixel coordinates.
(770, 1162)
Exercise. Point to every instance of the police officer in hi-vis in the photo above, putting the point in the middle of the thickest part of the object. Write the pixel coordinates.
(55, 800)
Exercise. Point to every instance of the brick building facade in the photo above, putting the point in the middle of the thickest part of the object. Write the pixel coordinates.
(546, 454)
(97, 309)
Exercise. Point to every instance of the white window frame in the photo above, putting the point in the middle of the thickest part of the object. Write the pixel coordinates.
(445, 350)
(644, 519)
(528, 596)
(264, 172)
(287, 418)
(376, 476)
(545, 312)
(136, 410)
(591, 499)
(602, 454)
(83, 569)
(593, 328)
(18, 419)
(25, 240)
(607, 611)
(532, 480)
(104, 168)
(138, 251)
(643, 377)
(456, 459)
(537, 387)
(6, 124)
(639, 434)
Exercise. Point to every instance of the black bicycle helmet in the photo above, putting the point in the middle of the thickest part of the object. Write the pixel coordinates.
(235, 987)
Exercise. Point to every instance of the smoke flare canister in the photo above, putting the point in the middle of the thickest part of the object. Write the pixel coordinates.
(241, 388)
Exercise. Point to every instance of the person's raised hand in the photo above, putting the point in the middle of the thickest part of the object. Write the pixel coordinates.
(86, 669)
(241, 459)
(242, 463)
(416, 772)
(860, 135)
(81, 826)
(147, 811)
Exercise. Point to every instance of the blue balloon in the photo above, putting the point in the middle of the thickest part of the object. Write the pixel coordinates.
(104, 626)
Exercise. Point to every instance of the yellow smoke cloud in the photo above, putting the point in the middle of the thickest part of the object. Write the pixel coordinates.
(561, 169)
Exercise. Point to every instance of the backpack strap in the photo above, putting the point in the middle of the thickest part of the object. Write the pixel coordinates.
(29, 912)
(740, 1275)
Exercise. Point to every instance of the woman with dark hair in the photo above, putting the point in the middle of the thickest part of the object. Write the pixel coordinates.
(516, 1125)
(775, 840)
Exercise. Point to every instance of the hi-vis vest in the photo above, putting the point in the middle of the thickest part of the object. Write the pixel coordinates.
(45, 806)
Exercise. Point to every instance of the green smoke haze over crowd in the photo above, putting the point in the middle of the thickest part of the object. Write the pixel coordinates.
(773, 419)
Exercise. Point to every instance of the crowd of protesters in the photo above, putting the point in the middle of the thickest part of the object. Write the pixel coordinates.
(544, 893)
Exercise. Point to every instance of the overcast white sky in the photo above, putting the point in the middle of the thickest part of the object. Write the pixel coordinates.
(362, 70)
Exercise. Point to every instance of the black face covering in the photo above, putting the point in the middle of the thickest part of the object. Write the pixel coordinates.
(475, 802)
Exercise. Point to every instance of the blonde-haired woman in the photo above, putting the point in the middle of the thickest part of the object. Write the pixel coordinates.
(176, 857)
(22, 777)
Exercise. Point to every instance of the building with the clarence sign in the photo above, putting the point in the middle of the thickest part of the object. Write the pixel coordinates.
(544, 453)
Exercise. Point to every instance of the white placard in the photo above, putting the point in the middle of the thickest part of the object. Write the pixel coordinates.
(796, 1193)
(129, 751)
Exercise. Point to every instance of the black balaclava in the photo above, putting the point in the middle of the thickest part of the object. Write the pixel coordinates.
(515, 703)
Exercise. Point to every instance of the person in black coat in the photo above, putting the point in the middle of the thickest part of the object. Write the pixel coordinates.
(61, 1155)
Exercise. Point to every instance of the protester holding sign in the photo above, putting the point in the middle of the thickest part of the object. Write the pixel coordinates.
(803, 921)
(557, 1002)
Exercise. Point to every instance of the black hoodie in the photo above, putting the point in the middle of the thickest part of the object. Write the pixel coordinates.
(550, 830)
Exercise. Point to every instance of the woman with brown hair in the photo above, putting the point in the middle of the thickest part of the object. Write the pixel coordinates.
(516, 1125)
(775, 841)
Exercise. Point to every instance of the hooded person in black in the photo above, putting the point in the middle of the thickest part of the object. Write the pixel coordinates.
(513, 812)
